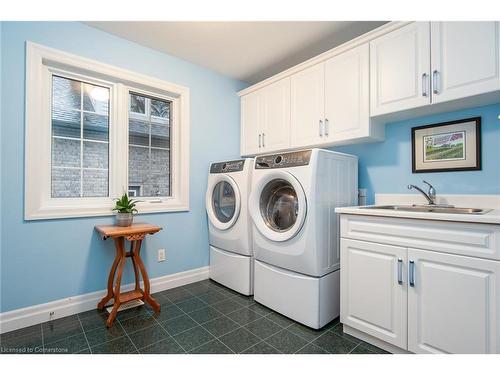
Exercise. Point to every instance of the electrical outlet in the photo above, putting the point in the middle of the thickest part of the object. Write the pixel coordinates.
(161, 255)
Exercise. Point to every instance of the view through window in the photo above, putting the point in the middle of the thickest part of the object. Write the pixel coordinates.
(80, 139)
(149, 146)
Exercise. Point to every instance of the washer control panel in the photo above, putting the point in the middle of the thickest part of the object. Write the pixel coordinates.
(285, 160)
(227, 166)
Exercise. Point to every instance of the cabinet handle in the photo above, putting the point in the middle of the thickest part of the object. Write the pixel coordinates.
(435, 74)
(263, 138)
(320, 128)
(424, 84)
(327, 125)
(400, 271)
(411, 273)
(260, 137)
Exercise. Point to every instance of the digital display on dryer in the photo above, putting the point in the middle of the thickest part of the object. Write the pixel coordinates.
(227, 166)
(285, 160)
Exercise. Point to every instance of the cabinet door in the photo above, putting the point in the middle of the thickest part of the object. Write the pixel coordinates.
(276, 131)
(465, 59)
(251, 122)
(453, 305)
(373, 290)
(347, 100)
(308, 103)
(399, 69)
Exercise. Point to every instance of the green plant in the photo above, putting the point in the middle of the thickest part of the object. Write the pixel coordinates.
(125, 205)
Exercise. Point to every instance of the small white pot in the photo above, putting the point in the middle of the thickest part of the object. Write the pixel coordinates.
(124, 219)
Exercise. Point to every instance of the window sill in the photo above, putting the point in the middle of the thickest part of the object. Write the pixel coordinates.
(48, 212)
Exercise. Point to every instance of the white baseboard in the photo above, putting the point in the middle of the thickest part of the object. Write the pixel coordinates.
(27, 316)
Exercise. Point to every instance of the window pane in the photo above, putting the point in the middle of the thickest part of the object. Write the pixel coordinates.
(65, 122)
(65, 152)
(95, 99)
(137, 104)
(65, 183)
(160, 108)
(95, 155)
(138, 132)
(160, 168)
(149, 164)
(95, 127)
(66, 93)
(138, 168)
(159, 136)
(95, 183)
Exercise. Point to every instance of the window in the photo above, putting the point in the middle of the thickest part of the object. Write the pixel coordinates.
(80, 139)
(94, 131)
(149, 145)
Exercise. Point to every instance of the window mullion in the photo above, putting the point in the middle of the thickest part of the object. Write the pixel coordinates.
(118, 162)
(81, 139)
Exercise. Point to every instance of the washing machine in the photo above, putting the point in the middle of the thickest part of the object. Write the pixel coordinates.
(295, 238)
(229, 224)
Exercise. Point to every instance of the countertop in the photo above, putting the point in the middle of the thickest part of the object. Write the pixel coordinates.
(492, 217)
(491, 201)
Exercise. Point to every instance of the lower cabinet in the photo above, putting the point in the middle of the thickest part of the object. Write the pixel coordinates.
(453, 304)
(373, 296)
(419, 300)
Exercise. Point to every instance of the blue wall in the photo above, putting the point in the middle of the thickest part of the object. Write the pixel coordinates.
(47, 260)
(385, 167)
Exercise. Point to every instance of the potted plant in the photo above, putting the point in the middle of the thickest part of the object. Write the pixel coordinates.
(125, 210)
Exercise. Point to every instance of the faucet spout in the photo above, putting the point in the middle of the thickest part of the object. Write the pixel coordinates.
(429, 199)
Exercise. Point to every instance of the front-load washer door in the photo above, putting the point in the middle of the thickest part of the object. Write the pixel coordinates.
(223, 202)
(278, 206)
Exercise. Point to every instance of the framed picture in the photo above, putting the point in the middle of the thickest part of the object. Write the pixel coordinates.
(447, 146)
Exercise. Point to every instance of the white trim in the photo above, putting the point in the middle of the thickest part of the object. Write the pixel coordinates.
(365, 38)
(254, 206)
(209, 202)
(41, 62)
(28, 316)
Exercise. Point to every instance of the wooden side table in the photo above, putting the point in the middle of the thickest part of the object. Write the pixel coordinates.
(135, 234)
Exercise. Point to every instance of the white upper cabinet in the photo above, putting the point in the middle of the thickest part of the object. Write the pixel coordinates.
(252, 115)
(396, 72)
(347, 96)
(465, 59)
(276, 127)
(308, 106)
(265, 119)
(453, 304)
(400, 69)
(373, 290)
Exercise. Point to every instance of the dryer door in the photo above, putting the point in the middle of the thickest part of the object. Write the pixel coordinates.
(223, 202)
(278, 206)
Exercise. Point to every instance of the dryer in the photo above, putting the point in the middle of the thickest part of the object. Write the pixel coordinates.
(229, 224)
(296, 244)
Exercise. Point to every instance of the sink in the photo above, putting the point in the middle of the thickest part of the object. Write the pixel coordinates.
(435, 209)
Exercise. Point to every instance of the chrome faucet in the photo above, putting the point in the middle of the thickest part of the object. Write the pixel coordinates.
(430, 195)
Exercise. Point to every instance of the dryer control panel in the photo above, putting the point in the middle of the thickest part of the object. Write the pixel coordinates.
(285, 160)
(227, 166)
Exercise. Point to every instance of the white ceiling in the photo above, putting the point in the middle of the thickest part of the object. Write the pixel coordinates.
(248, 51)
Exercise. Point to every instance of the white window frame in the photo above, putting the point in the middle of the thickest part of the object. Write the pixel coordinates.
(41, 63)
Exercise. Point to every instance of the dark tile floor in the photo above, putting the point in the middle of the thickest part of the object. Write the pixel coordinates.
(202, 317)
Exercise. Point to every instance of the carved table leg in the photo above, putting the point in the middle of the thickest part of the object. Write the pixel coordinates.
(119, 243)
(146, 294)
(111, 278)
(136, 270)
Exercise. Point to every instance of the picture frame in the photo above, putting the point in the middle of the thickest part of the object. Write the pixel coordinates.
(447, 146)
